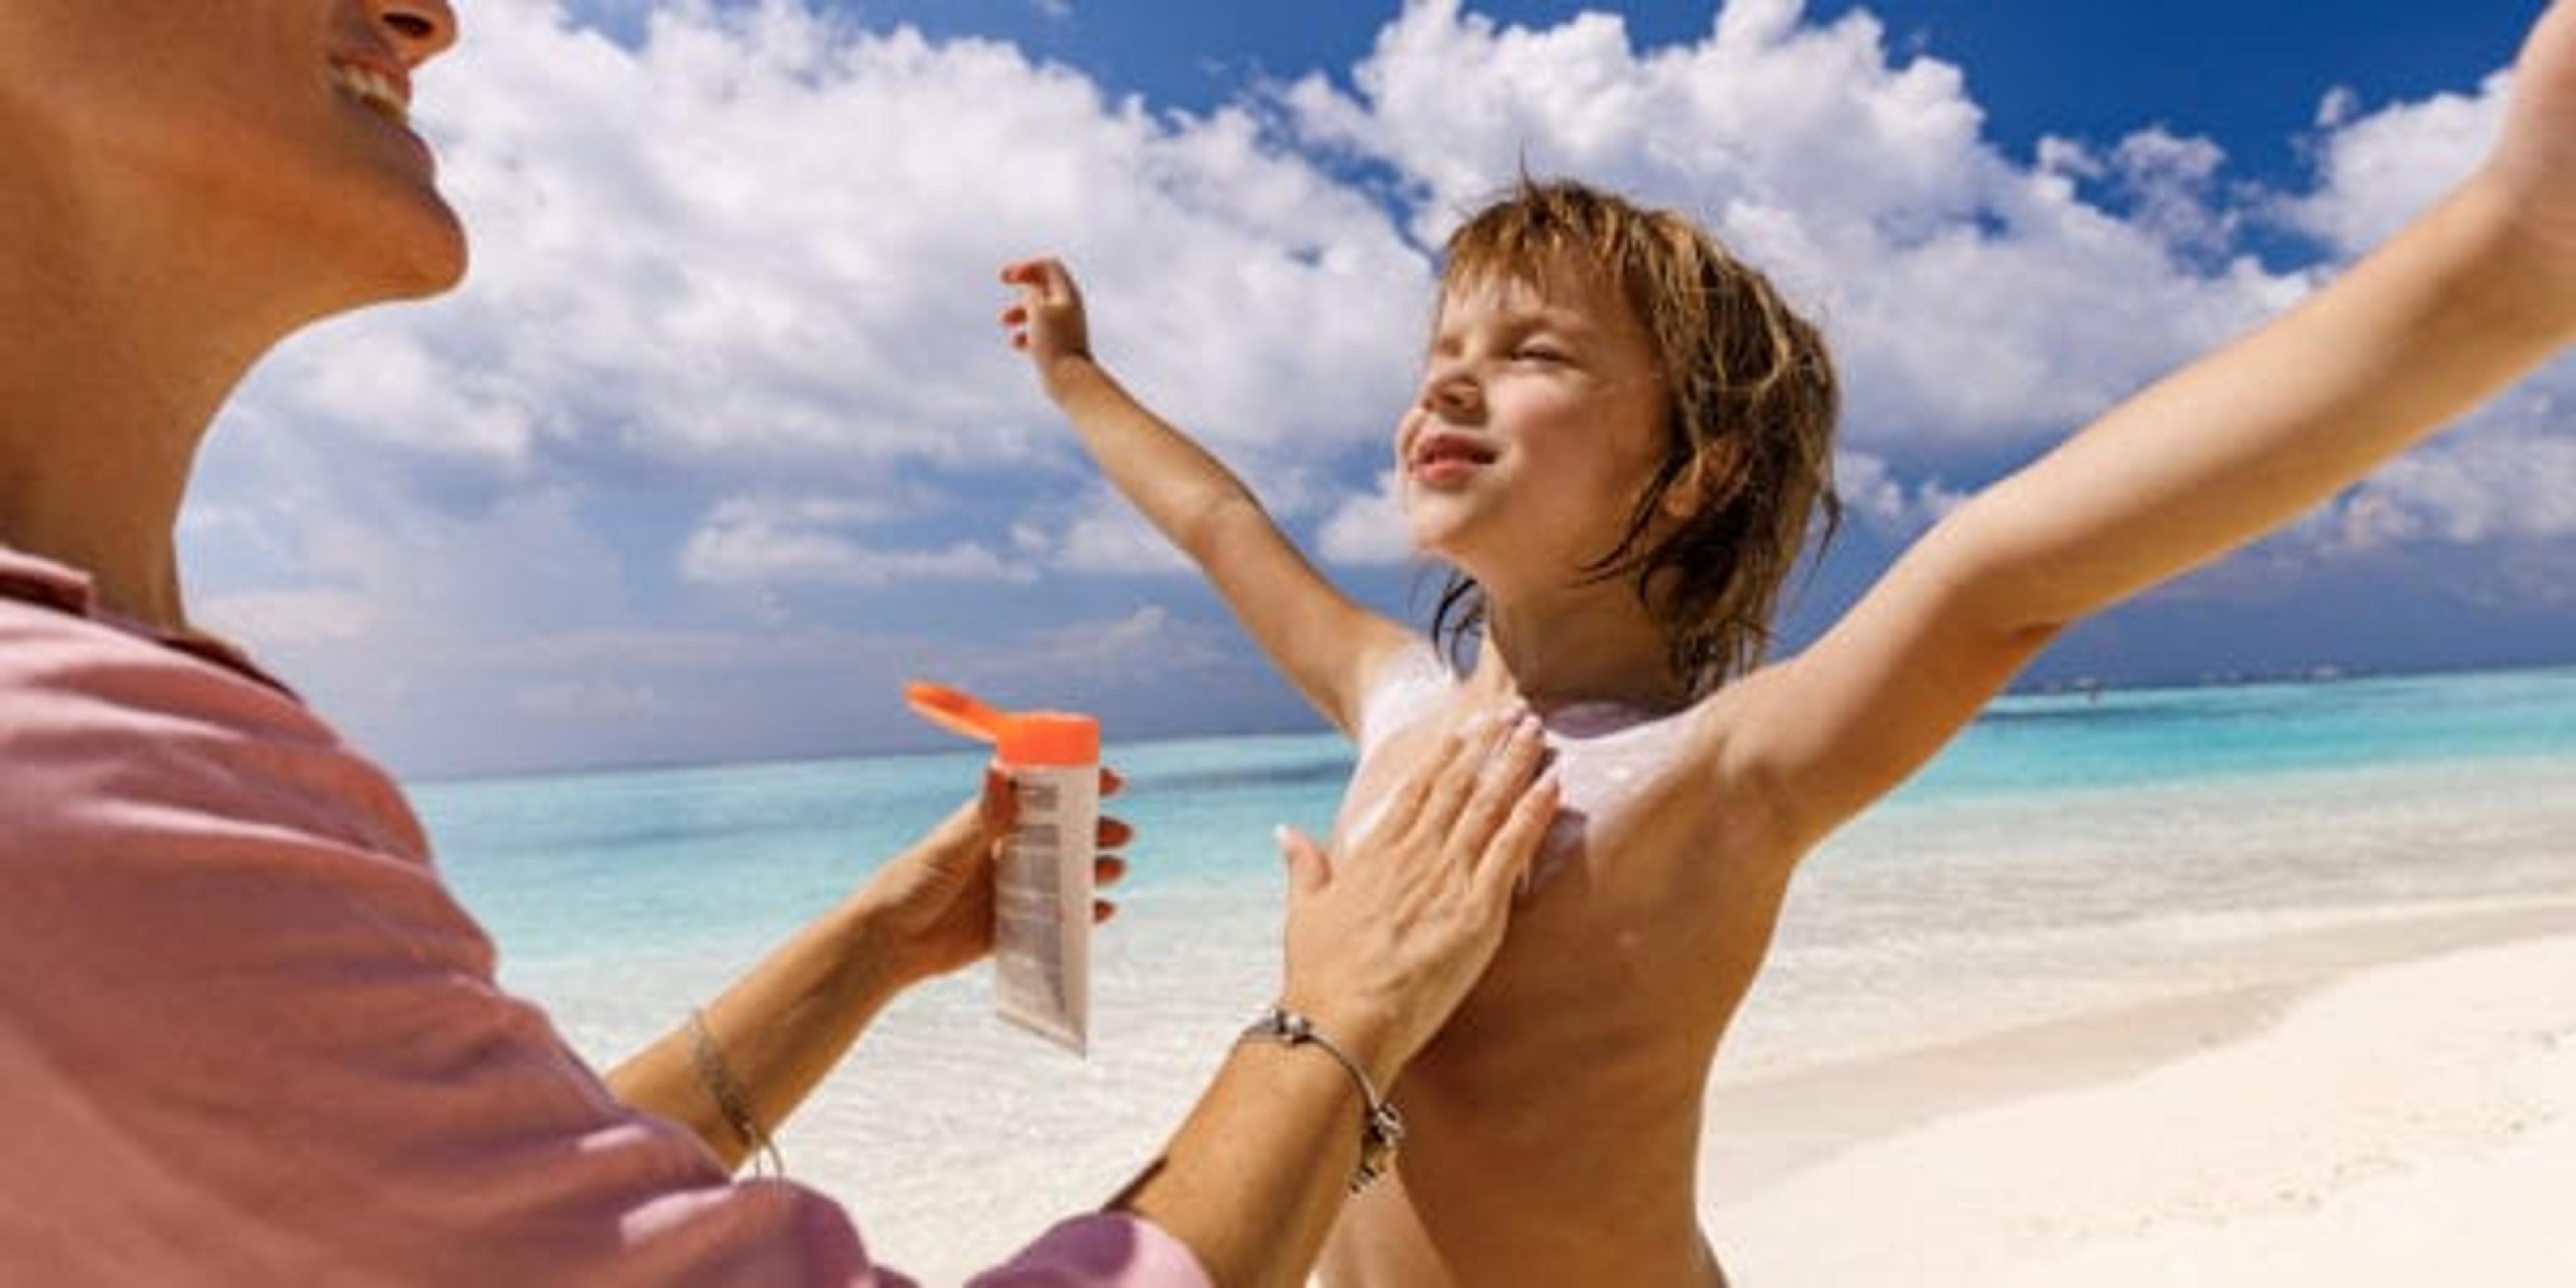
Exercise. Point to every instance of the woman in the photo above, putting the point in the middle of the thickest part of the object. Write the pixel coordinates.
(249, 1037)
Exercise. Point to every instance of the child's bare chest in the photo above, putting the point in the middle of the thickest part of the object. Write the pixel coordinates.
(1612, 771)
(1645, 912)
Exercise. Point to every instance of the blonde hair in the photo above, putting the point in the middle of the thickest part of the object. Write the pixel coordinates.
(1750, 402)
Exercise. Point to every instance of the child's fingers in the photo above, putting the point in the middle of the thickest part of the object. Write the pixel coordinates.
(1114, 833)
(1108, 870)
(1046, 277)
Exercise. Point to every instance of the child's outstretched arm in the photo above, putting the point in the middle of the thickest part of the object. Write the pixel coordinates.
(1326, 644)
(2466, 299)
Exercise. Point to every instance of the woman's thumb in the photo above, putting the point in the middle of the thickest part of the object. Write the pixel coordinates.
(1308, 870)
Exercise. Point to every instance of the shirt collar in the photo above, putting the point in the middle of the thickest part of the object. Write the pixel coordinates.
(36, 580)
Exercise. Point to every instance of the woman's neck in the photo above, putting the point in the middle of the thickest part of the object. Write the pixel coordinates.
(97, 520)
(111, 369)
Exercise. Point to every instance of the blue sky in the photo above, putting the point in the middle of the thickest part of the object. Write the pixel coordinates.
(718, 444)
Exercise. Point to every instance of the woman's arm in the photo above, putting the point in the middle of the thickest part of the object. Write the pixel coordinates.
(1325, 644)
(1383, 942)
(2462, 302)
(773, 1034)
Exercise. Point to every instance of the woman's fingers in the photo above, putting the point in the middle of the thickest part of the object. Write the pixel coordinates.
(1459, 777)
(997, 804)
(1499, 783)
(1515, 846)
(1308, 870)
(1405, 810)
(1430, 802)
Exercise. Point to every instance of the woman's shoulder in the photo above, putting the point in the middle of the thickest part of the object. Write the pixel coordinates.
(110, 729)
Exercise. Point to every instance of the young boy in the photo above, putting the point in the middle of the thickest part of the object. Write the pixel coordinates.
(1620, 437)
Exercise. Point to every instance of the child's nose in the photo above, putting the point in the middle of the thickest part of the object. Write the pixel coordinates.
(1450, 392)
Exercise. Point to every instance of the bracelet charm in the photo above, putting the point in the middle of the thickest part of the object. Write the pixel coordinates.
(1381, 1127)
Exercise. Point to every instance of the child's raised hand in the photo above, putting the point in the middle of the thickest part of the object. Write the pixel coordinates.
(1047, 320)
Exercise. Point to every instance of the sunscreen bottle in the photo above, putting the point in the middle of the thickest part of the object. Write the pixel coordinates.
(1042, 887)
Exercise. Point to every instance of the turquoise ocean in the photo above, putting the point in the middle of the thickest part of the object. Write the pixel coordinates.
(2068, 854)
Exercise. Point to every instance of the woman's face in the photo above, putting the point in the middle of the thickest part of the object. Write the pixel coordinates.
(284, 121)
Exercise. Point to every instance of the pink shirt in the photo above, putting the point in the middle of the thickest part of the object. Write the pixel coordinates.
(249, 1038)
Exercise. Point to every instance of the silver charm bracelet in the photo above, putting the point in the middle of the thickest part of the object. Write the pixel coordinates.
(1381, 1127)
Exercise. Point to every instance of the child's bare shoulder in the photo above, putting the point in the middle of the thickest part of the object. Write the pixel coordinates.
(1401, 686)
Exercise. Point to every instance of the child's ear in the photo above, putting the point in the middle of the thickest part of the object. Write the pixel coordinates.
(1713, 477)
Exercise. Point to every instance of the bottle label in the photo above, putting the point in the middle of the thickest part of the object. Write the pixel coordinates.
(1042, 904)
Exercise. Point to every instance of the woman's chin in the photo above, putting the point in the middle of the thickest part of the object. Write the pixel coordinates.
(438, 252)
(429, 259)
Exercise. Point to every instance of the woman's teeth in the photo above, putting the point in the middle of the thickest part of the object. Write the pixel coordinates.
(374, 89)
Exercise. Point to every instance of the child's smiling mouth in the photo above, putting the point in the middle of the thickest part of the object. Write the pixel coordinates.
(1446, 457)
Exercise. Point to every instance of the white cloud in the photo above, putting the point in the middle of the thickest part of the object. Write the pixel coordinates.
(762, 541)
(1145, 645)
(286, 618)
(1369, 528)
(2379, 170)
(764, 243)
(2170, 179)
(2514, 480)
(1106, 536)
(1872, 491)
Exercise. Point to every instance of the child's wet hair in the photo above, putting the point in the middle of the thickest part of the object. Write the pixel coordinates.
(1750, 400)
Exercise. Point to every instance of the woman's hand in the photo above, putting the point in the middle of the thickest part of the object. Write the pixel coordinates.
(929, 910)
(1385, 941)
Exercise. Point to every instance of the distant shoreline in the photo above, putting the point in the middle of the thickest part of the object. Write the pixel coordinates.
(931, 745)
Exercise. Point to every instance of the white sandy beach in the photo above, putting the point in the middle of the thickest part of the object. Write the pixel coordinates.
(2392, 1103)
(2410, 1123)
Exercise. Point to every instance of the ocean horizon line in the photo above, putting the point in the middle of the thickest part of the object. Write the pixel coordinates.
(2077, 688)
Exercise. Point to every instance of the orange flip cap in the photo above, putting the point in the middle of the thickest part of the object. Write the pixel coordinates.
(1018, 737)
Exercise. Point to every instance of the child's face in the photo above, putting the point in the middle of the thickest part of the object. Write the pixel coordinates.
(1541, 419)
